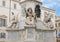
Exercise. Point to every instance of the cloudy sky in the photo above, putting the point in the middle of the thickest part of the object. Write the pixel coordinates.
(52, 4)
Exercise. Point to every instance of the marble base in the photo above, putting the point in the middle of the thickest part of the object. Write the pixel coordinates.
(47, 36)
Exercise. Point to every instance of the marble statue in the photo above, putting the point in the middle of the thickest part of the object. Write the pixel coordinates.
(37, 11)
(48, 21)
(30, 17)
(13, 23)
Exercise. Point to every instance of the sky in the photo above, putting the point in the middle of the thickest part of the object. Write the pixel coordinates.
(52, 4)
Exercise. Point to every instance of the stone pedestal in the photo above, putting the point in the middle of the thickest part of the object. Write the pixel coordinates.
(49, 36)
(45, 34)
(39, 35)
(30, 33)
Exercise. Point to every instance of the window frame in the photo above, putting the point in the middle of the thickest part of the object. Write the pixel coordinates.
(4, 23)
(4, 3)
(15, 5)
(2, 36)
(58, 24)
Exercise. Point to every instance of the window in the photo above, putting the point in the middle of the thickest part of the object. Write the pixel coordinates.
(14, 6)
(56, 25)
(2, 35)
(3, 3)
(2, 22)
(59, 24)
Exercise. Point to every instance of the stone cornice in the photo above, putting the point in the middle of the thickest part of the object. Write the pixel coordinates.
(15, 0)
(48, 9)
(58, 20)
(10, 29)
(46, 29)
(30, 0)
(3, 16)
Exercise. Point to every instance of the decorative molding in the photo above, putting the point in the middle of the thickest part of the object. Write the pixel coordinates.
(47, 9)
(30, 0)
(3, 16)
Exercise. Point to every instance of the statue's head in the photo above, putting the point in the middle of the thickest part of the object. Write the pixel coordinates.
(29, 10)
(38, 6)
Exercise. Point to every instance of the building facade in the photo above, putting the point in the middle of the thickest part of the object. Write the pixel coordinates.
(26, 21)
(58, 28)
